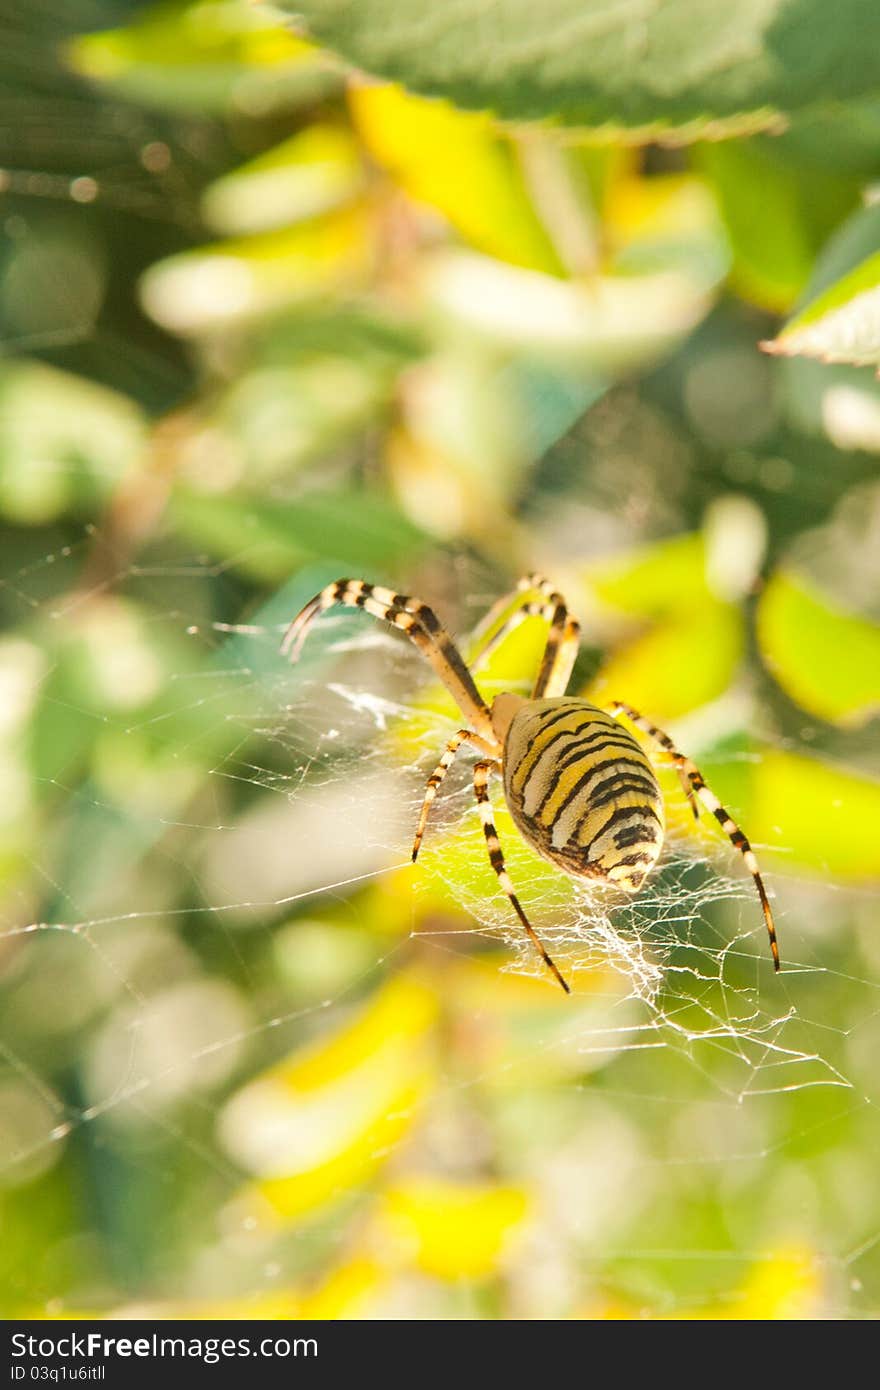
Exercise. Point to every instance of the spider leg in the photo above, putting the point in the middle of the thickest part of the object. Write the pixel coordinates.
(496, 859)
(665, 742)
(691, 772)
(435, 780)
(562, 643)
(559, 657)
(526, 585)
(529, 609)
(419, 623)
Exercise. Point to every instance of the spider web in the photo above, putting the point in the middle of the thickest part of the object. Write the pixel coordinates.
(308, 805)
(690, 950)
(149, 962)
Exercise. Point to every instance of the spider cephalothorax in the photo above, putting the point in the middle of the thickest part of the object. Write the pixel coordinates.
(580, 788)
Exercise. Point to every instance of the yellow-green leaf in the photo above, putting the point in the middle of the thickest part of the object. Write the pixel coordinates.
(204, 56)
(314, 171)
(212, 287)
(458, 163)
(778, 216)
(826, 659)
(678, 664)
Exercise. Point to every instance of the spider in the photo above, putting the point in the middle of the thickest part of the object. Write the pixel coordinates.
(580, 788)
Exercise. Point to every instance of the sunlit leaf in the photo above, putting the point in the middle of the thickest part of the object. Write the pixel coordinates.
(319, 1123)
(204, 55)
(677, 643)
(612, 323)
(315, 170)
(721, 561)
(654, 580)
(458, 163)
(840, 401)
(826, 659)
(820, 817)
(841, 325)
(678, 664)
(209, 289)
(787, 1285)
(454, 1230)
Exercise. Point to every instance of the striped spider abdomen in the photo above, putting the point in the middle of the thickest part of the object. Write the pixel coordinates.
(582, 791)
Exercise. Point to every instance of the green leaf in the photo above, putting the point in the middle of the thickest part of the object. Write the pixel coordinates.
(267, 539)
(69, 456)
(684, 65)
(858, 238)
(844, 139)
(838, 400)
(825, 659)
(802, 814)
(842, 325)
(778, 216)
(839, 321)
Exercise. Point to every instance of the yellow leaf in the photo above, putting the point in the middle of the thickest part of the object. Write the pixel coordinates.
(400, 1013)
(682, 662)
(785, 1286)
(675, 209)
(211, 287)
(287, 1198)
(454, 1230)
(456, 162)
(346, 1292)
(321, 1122)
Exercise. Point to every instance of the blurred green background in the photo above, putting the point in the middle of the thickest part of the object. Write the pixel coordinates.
(267, 320)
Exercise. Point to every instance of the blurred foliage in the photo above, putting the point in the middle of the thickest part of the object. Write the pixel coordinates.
(592, 66)
(468, 292)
